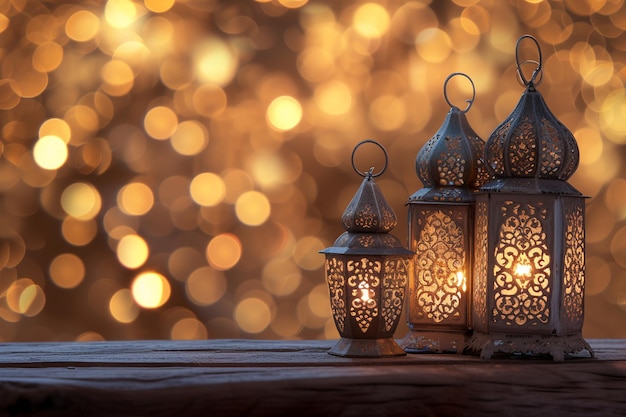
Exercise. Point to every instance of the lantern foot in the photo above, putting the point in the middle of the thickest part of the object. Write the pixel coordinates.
(366, 348)
(558, 347)
(435, 341)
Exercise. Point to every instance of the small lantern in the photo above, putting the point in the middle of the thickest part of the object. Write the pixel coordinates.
(367, 271)
(529, 271)
(440, 221)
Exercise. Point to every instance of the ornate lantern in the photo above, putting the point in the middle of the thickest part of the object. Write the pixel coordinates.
(440, 221)
(367, 270)
(529, 271)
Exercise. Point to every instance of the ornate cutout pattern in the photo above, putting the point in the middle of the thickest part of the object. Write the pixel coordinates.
(440, 257)
(394, 284)
(522, 298)
(336, 285)
(574, 265)
(364, 281)
(480, 265)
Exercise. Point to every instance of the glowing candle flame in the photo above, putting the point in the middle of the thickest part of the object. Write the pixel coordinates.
(365, 294)
(522, 267)
(460, 281)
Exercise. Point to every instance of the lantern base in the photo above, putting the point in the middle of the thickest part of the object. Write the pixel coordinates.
(366, 348)
(435, 341)
(558, 347)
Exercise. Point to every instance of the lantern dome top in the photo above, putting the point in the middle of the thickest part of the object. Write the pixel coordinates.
(531, 142)
(450, 164)
(368, 219)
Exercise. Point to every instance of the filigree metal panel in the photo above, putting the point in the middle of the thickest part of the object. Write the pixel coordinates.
(440, 263)
(522, 150)
(480, 265)
(523, 267)
(394, 283)
(574, 265)
(336, 285)
(363, 283)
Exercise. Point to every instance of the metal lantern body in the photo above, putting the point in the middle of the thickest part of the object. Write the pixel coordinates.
(529, 270)
(440, 219)
(367, 271)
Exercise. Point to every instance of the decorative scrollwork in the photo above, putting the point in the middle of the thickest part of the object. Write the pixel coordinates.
(480, 265)
(574, 265)
(336, 285)
(363, 282)
(522, 295)
(394, 284)
(440, 258)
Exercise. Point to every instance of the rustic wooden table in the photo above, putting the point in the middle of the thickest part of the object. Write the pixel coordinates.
(298, 378)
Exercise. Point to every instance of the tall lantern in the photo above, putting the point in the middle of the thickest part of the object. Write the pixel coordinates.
(367, 271)
(441, 232)
(529, 271)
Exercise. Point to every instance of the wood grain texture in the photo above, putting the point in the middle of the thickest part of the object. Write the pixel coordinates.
(298, 378)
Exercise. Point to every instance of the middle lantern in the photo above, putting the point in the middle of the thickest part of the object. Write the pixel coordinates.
(440, 223)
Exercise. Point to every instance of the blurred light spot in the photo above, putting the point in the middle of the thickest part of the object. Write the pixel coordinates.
(56, 127)
(319, 301)
(612, 118)
(150, 289)
(215, 62)
(371, 20)
(615, 197)
(190, 138)
(433, 45)
(252, 315)
(160, 122)
(120, 13)
(67, 270)
(307, 317)
(293, 4)
(284, 113)
(118, 78)
(132, 251)
(281, 277)
(183, 261)
(252, 208)
(135, 199)
(25, 297)
(597, 282)
(618, 247)
(122, 306)
(188, 329)
(77, 232)
(50, 152)
(207, 189)
(224, 251)
(333, 97)
(82, 26)
(89, 337)
(316, 64)
(205, 286)
(81, 200)
(209, 100)
(388, 112)
(237, 182)
(306, 253)
(159, 6)
(590, 145)
(47, 56)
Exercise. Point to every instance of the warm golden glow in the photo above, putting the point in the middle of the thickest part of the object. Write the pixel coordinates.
(522, 267)
(81, 200)
(461, 281)
(284, 113)
(252, 315)
(67, 270)
(132, 251)
(223, 251)
(150, 290)
(50, 152)
(252, 208)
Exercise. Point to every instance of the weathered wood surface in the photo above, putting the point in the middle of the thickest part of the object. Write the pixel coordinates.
(298, 378)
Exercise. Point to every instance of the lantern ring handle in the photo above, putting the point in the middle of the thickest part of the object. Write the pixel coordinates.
(469, 101)
(370, 173)
(533, 78)
(537, 73)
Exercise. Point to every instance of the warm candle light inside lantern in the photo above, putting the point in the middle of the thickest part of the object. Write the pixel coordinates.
(365, 291)
(461, 281)
(522, 267)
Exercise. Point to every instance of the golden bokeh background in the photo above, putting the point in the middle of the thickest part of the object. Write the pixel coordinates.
(169, 169)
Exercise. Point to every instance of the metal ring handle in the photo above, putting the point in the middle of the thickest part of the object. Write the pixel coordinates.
(370, 174)
(445, 90)
(519, 65)
(538, 73)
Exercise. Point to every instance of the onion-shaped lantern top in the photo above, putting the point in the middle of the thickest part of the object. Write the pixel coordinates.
(368, 219)
(450, 164)
(531, 142)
